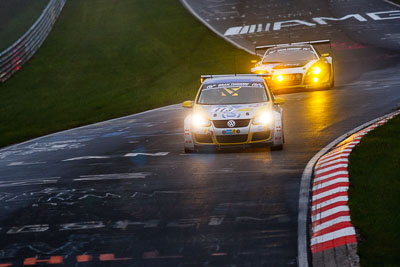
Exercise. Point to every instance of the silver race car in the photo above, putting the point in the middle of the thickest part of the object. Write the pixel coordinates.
(233, 111)
(296, 65)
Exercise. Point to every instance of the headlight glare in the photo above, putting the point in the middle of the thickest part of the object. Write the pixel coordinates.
(199, 120)
(317, 70)
(264, 118)
(279, 78)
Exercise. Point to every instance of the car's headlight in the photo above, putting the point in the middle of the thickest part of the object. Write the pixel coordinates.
(259, 69)
(199, 120)
(316, 70)
(279, 78)
(264, 118)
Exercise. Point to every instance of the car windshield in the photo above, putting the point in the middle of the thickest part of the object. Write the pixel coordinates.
(232, 93)
(289, 54)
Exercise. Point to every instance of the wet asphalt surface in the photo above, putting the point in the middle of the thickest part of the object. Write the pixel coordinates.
(122, 193)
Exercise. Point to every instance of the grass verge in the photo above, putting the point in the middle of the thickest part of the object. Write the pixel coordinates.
(106, 59)
(16, 17)
(375, 195)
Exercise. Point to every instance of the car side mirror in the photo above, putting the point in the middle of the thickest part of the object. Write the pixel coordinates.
(187, 104)
(279, 101)
(326, 55)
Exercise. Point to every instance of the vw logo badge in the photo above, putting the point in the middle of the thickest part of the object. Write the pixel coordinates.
(231, 123)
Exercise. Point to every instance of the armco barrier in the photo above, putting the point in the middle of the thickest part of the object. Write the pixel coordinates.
(25, 47)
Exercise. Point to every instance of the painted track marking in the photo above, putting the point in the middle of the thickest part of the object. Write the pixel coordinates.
(304, 195)
(115, 176)
(87, 157)
(330, 214)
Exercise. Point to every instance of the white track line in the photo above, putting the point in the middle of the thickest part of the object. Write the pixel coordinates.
(87, 157)
(390, 2)
(194, 13)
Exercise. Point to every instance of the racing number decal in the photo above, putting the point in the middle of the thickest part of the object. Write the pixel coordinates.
(223, 109)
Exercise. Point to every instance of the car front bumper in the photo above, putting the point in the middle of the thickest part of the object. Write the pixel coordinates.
(252, 136)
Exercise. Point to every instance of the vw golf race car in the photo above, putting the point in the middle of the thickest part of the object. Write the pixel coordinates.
(233, 111)
(296, 65)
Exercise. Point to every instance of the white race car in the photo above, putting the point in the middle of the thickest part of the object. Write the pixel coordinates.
(296, 65)
(233, 111)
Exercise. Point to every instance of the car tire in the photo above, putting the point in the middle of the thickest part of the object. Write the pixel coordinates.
(188, 151)
(191, 151)
(332, 83)
(277, 147)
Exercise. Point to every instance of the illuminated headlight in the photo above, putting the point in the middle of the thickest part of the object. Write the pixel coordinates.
(316, 70)
(264, 118)
(279, 78)
(259, 69)
(315, 79)
(200, 121)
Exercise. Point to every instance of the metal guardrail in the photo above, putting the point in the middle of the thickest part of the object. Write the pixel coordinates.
(12, 59)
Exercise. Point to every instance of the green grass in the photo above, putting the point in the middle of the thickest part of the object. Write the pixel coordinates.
(109, 58)
(16, 17)
(375, 195)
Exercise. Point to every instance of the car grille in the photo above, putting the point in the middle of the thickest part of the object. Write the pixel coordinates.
(239, 138)
(223, 123)
(261, 136)
(203, 138)
(289, 80)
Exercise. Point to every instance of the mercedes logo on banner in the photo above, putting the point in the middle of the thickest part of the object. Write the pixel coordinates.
(231, 123)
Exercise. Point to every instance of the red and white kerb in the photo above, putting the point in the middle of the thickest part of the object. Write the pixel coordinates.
(330, 215)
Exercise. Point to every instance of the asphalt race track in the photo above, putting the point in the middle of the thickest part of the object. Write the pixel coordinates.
(122, 193)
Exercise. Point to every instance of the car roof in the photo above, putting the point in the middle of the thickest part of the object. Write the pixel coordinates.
(234, 79)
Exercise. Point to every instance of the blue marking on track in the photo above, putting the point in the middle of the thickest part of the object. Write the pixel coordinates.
(113, 134)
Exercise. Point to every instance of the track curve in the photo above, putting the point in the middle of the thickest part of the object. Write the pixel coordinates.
(123, 193)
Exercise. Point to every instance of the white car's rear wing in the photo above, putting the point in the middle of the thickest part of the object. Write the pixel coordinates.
(317, 42)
